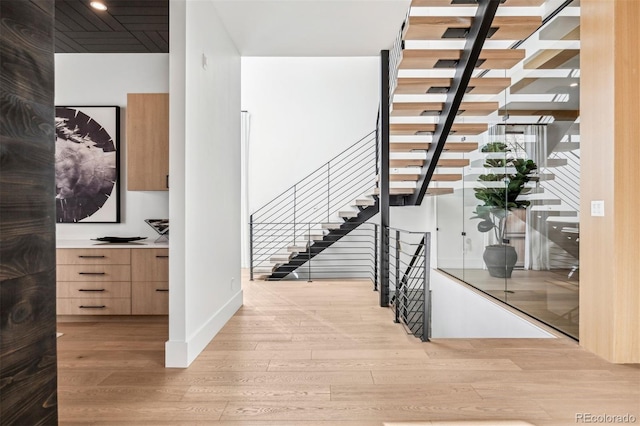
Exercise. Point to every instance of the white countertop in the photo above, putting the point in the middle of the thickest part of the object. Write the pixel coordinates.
(148, 243)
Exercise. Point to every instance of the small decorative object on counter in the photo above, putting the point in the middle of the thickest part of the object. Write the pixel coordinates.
(161, 226)
(119, 240)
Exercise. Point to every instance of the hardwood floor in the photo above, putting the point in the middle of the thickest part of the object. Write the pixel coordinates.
(324, 353)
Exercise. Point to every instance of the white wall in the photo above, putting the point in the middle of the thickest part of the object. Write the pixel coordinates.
(459, 312)
(304, 111)
(105, 79)
(418, 219)
(204, 179)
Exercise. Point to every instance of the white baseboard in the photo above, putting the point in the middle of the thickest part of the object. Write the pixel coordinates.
(180, 354)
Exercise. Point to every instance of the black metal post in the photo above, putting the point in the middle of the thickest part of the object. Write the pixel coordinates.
(309, 252)
(328, 191)
(375, 257)
(384, 178)
(377, 146)
(426, 311)
(294, 214)
(398, 281)
(251, 247)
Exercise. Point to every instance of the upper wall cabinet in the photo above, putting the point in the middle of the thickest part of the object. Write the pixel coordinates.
(147, 141)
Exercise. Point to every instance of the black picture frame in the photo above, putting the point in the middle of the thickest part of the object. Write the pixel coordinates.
(87, 164)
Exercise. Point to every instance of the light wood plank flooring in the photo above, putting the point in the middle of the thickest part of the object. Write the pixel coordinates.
(324, 353)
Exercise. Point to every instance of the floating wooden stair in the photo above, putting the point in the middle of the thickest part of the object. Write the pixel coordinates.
(406, 163)
(319, 243)
(439, 191)
(417, 146)
(489, 59)
(477, 86)
(426, 128)
(410, 109)
(446, 177)
(363, 202)
(457, 27)
(550, 59)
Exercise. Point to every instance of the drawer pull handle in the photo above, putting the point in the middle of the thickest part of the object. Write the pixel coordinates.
(91, 289)
(93, 307)
(162, 289)
(162, 256)
(91, 273)
(91, 257)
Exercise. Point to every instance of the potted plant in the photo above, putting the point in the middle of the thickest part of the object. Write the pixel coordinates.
(498, 201)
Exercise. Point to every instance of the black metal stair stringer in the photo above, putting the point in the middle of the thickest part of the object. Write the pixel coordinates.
(318, 246)
(464, 71)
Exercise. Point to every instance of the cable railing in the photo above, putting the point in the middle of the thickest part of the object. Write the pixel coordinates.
(409, 259)
(566, 185)
(347, 252)
(395, 56)
(317, 199)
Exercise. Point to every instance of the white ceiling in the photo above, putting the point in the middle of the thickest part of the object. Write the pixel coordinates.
(312, 27)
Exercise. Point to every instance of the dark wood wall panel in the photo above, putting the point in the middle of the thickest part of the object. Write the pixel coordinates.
(27, 214)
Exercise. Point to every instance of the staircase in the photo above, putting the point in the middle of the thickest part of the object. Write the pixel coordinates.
(431, 129)
(316, 213)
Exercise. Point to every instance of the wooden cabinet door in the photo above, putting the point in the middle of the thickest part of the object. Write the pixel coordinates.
(150, 298)
(147, 141)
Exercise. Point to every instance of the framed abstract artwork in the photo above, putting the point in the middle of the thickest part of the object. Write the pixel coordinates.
(87, 164)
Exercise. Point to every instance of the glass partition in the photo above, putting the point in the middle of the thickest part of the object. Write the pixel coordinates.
(511, 229)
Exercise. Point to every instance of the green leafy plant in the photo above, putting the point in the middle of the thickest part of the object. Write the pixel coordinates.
(498, 202)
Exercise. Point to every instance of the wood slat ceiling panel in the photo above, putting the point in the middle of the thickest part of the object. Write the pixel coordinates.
(143, 38)
(128, 26)
(91, 17)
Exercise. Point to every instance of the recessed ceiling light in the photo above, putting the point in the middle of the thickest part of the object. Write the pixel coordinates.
(98, 5)
(573, 85)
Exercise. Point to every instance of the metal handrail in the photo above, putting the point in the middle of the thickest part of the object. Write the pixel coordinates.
(316, 170)
(409, 277)
(318, 198)
(356, 256)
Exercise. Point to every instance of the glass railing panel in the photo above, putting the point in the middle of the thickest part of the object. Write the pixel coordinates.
(450, 227)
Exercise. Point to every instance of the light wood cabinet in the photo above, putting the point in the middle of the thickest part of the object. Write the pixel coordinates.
(93, 281)
(147, 141)
(150, 298)
(150, 282)
(99, 281)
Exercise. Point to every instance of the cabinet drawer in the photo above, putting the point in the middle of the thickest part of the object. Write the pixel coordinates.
(87, 273)
(93, 290)
(93, 256)
(94, 306)
(150, 298)
(150, 265)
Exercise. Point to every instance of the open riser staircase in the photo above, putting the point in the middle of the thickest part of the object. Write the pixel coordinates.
(317, 212)
(433, 112)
